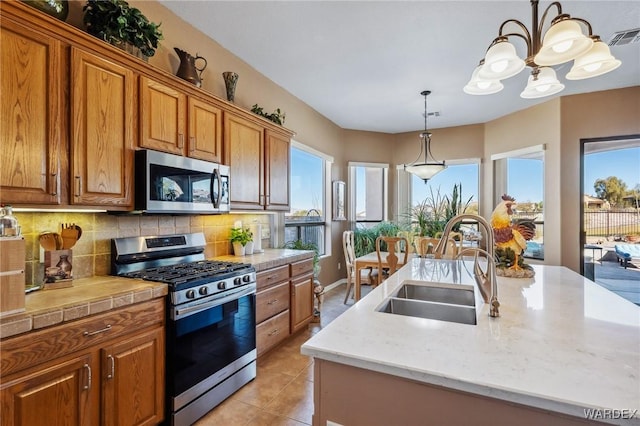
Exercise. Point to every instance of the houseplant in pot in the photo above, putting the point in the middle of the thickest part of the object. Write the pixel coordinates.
(239, 239)
(115, 22)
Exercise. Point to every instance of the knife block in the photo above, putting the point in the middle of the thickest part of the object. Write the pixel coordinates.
(12, 276)
(58, 268)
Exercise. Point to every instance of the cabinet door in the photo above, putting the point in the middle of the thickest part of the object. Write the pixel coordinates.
(31, 116)
(244, 153)
(162, 117)
(301, 302)
(277, 171)
(56, 394)
(133, 380)
(205, 131)
(103, 99)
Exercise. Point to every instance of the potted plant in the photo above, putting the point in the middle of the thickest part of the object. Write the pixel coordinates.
(239, 238)
(277, 116)
(115, 22)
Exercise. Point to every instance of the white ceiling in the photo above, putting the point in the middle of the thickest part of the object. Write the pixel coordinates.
(363, 64)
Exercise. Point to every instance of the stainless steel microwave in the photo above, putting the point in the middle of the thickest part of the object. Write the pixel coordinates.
(167, 183)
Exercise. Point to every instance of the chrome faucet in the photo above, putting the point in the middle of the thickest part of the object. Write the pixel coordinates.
(487, 279)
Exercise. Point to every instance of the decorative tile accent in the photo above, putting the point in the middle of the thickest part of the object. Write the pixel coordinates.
(76, 312)
(124, 300)
(48, 319)
(141, 296)
(18, 326)
(100, 306)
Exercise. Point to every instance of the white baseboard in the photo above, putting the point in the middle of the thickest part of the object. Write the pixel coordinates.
(335, 284)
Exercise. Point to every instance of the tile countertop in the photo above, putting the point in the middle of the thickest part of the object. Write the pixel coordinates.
(562, 343)
(270, 258)
(87, 296)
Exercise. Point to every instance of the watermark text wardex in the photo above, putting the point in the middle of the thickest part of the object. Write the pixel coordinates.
(609, 414)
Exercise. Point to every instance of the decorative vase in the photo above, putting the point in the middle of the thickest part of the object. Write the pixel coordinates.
(64, 265)
(239, 249)
(230, 80)
(56, 8)
(248, 248)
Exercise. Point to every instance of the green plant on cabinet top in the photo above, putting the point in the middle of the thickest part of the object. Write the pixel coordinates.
(115, 22)
(241, 235)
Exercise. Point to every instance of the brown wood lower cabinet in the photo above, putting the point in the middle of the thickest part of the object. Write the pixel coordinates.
(106, 369)
(284, 302)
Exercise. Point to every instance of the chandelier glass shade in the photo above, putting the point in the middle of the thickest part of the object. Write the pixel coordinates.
(430, 167)
(564, 41)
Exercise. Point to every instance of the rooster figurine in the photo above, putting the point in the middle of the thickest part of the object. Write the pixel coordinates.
(509, 234)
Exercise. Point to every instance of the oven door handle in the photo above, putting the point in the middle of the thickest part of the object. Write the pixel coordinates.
(179, 313)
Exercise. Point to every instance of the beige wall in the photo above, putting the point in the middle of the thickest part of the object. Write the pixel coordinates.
(593, 115)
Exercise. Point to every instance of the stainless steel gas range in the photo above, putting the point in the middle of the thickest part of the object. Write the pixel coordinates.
(211, 319)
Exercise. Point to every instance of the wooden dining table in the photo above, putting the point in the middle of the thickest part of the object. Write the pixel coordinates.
(371, 260)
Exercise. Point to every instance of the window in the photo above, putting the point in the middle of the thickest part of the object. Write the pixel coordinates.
(368, 192)
(520, 174)
(307, 218)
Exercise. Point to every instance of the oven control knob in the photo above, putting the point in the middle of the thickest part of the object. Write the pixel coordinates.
(203, 291)
(246, 278)
(191, 294)
(222, 285)
(237, 281)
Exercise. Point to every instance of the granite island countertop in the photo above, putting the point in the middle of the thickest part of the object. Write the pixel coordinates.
(562, 343)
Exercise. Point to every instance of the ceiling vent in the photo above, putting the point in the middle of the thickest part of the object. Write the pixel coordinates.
(625, 37)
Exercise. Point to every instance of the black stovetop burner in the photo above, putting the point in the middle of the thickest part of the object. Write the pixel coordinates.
(191, 272)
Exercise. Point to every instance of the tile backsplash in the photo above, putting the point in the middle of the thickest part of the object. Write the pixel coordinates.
(92, 253)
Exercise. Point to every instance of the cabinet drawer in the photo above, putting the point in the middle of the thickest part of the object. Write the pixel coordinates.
(272, 301)
(33, 348)
(271, 277)
(301, 267)
(272, 331)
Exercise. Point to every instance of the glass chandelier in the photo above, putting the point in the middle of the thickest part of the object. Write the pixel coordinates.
(564, 41)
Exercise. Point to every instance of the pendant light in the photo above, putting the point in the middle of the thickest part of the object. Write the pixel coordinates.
(428, 169)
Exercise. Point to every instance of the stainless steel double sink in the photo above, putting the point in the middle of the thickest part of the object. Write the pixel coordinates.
(453, 303)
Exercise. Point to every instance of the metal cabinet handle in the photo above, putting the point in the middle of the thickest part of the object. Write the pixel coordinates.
(271, 302)
(276, 331)
(112, 370)
(180, 140)
(87, 386)
(93, 333)
(192, 143)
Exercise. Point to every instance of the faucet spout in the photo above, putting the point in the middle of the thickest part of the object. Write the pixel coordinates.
(486, 279)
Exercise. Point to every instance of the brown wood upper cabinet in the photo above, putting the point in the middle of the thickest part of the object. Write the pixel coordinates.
(173, 122)
(102, 118)
(259, 161)
(31, 117)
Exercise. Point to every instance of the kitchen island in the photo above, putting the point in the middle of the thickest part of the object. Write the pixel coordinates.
(563, 351)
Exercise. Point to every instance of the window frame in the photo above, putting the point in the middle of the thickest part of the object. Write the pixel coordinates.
(325, 222)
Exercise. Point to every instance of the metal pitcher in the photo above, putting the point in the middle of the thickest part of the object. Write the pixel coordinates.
(187, 69)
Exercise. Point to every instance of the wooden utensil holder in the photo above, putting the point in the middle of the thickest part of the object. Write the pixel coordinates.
(58, 269)
(12, 276)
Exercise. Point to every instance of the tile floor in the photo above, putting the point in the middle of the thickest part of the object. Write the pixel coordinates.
(282, 393)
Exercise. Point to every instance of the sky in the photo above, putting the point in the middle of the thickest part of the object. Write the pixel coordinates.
(622, 163)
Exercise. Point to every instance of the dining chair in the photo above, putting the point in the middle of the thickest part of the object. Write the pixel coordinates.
(394, 247)
(425, 245)
(367, 275)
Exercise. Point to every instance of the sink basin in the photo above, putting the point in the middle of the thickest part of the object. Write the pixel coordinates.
(437, 311)
(438, 302)
(456, 296)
